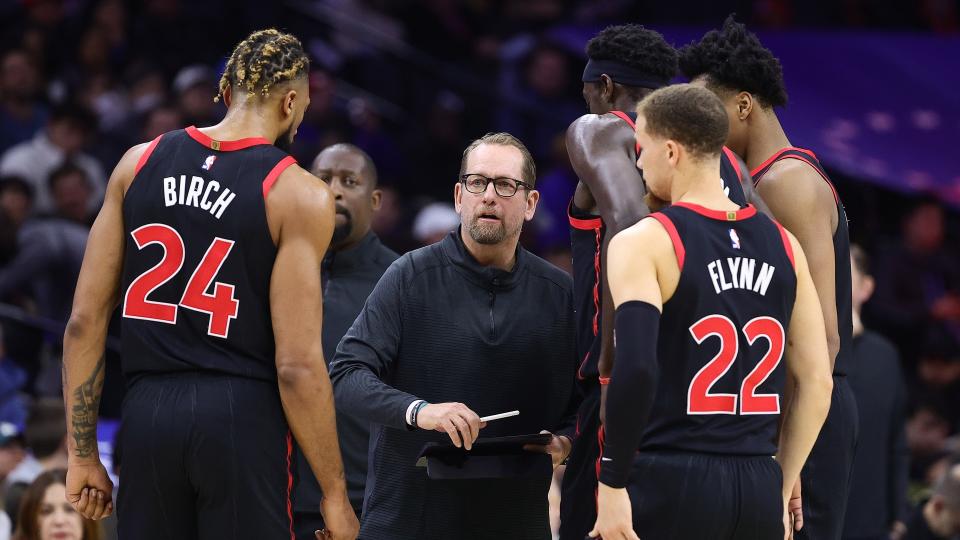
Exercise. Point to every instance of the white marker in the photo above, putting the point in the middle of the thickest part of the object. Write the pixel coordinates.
(499, 416)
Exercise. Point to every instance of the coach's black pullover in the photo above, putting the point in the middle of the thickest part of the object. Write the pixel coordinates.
(441, 327)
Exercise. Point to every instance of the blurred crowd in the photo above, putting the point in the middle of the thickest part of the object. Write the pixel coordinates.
(411, 83)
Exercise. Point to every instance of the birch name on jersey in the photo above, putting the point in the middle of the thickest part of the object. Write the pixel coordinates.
(198, 193)
(744, 274)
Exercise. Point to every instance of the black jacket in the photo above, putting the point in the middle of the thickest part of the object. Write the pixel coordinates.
(878, 481)
(441, 327)
(348, 278)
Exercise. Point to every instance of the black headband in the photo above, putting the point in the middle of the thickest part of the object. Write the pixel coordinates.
(621, 73)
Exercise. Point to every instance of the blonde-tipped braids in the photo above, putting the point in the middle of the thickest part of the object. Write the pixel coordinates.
(266, 58)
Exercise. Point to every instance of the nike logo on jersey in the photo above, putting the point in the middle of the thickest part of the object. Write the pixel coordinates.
(743, 275)
(198, 194)
(605, 459)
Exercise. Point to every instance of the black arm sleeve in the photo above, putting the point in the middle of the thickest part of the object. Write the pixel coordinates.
(631, 391)
(367, 355)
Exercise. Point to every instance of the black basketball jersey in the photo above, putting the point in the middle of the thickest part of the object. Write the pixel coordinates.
(199, 255)
(722, 333)
(841, 255)
(586, 239)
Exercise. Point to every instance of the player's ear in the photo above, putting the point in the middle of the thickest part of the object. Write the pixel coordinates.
(673, 152)
(457, 196)
(744, 105)
(289, 97)
(228, 96)
(606, 88)
(376, 198)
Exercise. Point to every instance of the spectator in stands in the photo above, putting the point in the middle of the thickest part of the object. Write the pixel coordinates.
(45, 513)
(195, 87)
(46, 438)
(927, 431)
(16, 199)
(939, 516)
(12, 451)
(160, 120)
(64, 138)
(71, 191)
(938, 370)
(22, 114)
(918, 281)
(16, 204)
(434, 222)
(50, 251)
(878, 483)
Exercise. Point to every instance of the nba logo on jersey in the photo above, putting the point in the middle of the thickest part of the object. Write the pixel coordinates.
(734, 239)
(209, 162)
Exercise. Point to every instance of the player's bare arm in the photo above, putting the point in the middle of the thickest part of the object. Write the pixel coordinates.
(89, 488)
(643, 273)
(602, 153)
(300, 213)
(808, 377)
(803, 203)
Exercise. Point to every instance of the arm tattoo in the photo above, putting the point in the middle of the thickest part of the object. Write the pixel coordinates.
(86, 406)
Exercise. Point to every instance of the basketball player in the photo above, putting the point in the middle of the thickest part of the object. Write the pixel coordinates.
(710, 296)
(625, 63)
(211, 240)
(749, 80)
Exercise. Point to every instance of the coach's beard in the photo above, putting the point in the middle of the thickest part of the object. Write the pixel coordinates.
(342, 231)
(489, 233)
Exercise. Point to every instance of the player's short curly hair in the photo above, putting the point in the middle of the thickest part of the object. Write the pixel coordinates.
(265, 59)
(734, 58)
(635, 46)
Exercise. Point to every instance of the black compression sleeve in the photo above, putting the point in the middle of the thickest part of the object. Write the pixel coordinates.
(631, 391)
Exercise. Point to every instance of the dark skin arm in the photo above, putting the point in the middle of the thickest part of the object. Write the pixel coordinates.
(88, 486)
(300, 213)
(602, 153)
(803, 203)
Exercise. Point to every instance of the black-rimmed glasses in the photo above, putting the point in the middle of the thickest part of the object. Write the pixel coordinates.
(505, 187)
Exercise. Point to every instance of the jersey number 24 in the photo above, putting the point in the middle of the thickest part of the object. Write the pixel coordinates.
(221, 305)
(699, 398)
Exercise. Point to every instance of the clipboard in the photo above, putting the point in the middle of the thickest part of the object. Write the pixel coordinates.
(489, 458)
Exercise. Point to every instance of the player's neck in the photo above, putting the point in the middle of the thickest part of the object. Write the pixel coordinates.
(701, 185)
(765, 139)
(502, 255)
(241, 123)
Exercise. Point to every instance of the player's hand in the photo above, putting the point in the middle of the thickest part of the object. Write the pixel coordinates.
(614, 515)
(558, 448)
(339, 519)
(795, 507)
(455, 419)
(89, 488)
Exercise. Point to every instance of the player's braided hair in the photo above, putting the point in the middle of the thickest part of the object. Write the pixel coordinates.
(266, 58)
(734, 58)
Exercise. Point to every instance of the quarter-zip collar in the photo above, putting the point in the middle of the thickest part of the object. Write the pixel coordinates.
(488, 277)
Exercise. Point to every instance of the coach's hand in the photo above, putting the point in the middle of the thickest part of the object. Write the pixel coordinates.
(558, 448)
(339, 518)
(455, 419)
(89, 488)
(614, 514)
